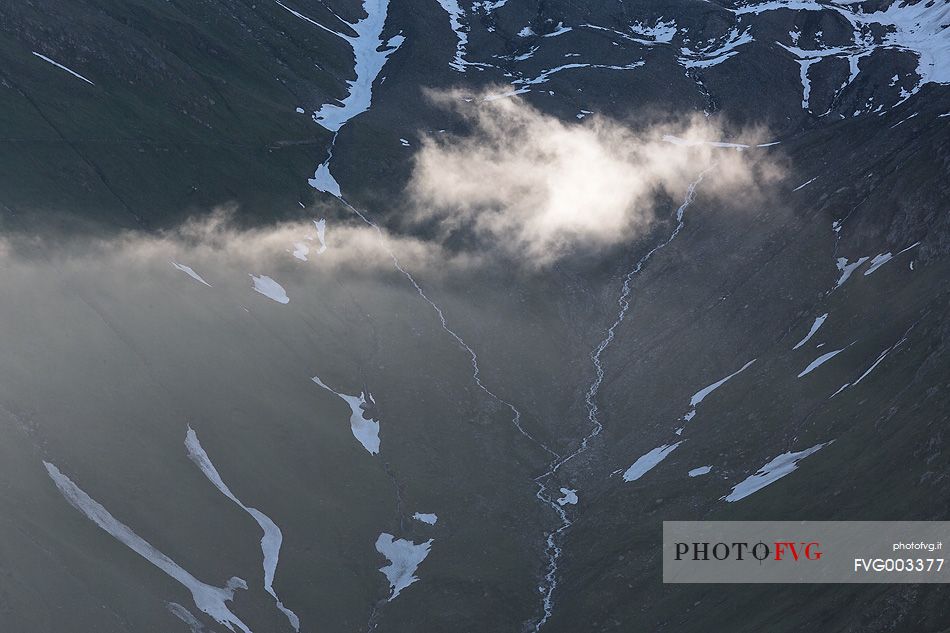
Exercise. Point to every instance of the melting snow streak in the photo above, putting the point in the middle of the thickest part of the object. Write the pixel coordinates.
(58, 65)
(569, 498)
(272, 538)
(455, 21)
(270, 289)
(646, 463)
(188, 270)
(365, 430)
(209, 599)
(846, 269)
(700, 395)
(784, 464)
(821, 360)
(368, 62)
(814, 328)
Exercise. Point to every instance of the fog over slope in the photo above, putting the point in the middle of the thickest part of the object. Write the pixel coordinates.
(387, 316)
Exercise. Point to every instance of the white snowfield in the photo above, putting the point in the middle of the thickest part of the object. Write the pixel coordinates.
(821, 360)
(270, 289)
(847, 268)
(716, 53)
(814, 328)
(876, 362)
(324, 181)
(883, 258)
(918, 28)
(209, 599)
(524, 84)
(60, 66)
(698, 472)
(404, 558)
(188, 270)
(370, 53)
(366, 431)
(877, 261)
(805, 184)
(569, 498)
(560, 29)
(456, 15)
(880, 359)
(645, 463)
(272, 537)
(783, 465)
(426, 517)
(700, 395)
(661, 32)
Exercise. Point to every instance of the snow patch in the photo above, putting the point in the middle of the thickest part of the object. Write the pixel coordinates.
(919, 28)
(270, 289)
(846, 268)
(429, 518)
(404, 558)
(370, 53)
(560, 29)
(698, 472)
(821, 360)
(660, 33)
(714, 54)
(805, 184)
(324, 181)
(209, 599)
(645, 463)
(783, 465)
(700, 395)
(188, 270)
(272, 537)
(455, 21)
(60, 66)
(569, 498)
(814, 328)
(365, 430)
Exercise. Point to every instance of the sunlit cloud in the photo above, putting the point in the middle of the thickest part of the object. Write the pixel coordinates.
(539, 188)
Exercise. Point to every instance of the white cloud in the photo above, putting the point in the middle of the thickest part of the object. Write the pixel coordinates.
(539, 188)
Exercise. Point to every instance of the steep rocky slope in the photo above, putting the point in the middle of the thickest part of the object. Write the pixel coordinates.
(502, 437)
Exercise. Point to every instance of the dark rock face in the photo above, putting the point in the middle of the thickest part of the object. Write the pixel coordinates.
(123, 116)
